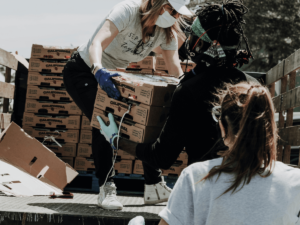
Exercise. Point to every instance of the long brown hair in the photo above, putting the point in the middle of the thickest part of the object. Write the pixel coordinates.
(247, 114)
(149, 15)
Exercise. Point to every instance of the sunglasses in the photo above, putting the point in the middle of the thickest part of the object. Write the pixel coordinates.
(216, 113)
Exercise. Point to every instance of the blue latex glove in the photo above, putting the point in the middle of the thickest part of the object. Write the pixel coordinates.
(109, 132)
(138, 220)
(103, 76)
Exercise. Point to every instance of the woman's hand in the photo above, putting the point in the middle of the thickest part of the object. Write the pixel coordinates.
(103, 76)
(110, 132)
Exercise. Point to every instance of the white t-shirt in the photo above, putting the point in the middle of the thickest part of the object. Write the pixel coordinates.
(264, 201)
(120, 52)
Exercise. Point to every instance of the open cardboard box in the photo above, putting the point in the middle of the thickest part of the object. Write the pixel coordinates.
(28, 168)
(147, 89)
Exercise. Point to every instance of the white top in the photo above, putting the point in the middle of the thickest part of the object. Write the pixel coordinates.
(272, 200)
(120, 52)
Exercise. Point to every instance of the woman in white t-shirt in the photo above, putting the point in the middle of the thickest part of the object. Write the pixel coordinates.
(129, 32)
(246, 185)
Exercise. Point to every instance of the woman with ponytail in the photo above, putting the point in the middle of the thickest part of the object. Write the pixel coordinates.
(246, 185)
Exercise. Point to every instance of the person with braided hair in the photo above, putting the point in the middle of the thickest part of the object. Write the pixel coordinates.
(214, 45)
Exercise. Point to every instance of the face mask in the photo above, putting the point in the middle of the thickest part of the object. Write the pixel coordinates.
(165, 20)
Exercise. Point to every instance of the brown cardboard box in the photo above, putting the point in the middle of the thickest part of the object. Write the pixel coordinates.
(124, 155)
(51, 121)
(51, 52)
(52, 107)
(36, 78)
(172, 171)
(138, 167)
(85, 123)
(160, 64)
(7, 90)
(183, 157)
(71, 136)
(187, 67)
(140, 113)
(86, 136)
(69, 160)
(67, 149)
(5, 119)
(36, 160)
(84, 150)
(46, 66)
(130, 130)
(150, 90)
(84, 164)
(44, 93)
(146, 63)
(123, 166)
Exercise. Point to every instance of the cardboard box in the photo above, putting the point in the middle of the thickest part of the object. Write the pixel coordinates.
(71, 136)
(51, 52)
(5, 119)
(140, 113)
(183, 157)
(69, 160)
(52, 107)
(124, 155)
(7, 90)
(130, 130)
(172, 171)
(46, 66)
(31, 157)
(84, 164)
(85, 123)
(44, 93)
(67, 149)
(138, 167)
(147, 89)
(146, 63)
(187, 66)
(160, 64)
(86, 136)
(123, 166)
(84, 150)
(51, 121)
(36, 78)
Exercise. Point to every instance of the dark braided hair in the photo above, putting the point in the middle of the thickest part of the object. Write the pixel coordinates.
(223, 22)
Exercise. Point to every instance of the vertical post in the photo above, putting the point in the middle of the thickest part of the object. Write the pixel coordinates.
(7, 80)
(289, 119)
(272, 89)
(281, 118)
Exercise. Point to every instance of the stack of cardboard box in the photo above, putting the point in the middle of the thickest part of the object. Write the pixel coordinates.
(161, 66)
(49, 110)
(149, 99)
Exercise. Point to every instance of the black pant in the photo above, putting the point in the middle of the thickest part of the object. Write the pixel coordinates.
(82, 87)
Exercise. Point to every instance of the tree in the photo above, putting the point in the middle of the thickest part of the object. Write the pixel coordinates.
(273, 31)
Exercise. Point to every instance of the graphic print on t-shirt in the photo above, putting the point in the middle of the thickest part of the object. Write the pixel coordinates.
(135, 45)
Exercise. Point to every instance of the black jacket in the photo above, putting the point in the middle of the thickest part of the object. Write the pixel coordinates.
(190, 123)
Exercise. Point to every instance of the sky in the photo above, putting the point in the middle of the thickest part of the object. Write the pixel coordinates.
(51, 22)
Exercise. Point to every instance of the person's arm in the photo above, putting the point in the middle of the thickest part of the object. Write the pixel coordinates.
(102, 39)
(171, 58)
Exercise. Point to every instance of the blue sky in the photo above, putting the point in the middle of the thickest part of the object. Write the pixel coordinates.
(51, 22)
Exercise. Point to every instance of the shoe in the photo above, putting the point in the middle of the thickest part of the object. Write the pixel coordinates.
(157, 193)
(107, 198)
(138, 220)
